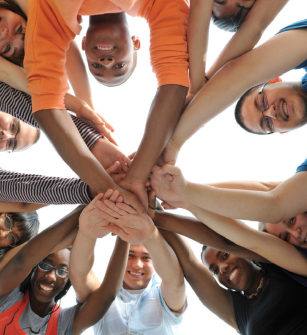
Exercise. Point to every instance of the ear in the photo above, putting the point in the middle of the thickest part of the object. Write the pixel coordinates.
(83, 43)
(136, 42)
(283, 132)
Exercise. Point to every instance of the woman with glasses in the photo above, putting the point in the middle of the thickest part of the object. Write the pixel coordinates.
(36, 277)
(286, 102)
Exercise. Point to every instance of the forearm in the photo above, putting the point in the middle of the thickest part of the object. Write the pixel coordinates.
(21, 187)
(60, 129)
(167, 106)
(198, 28)
(20, 207)
(81, 263)
(251, 185)
(100, 300)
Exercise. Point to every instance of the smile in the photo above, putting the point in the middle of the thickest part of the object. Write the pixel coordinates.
(105, 49)
(285, 108)
(46, 288)
(233, 275)
(138, 274)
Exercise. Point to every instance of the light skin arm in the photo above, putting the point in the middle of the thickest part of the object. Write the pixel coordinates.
(251, 185)
(60, 129)
(101, 299)
(19, 207)
(198, 29)
(249, 33)
(262, 64)
(167, 106)
(213, 296)
(17, 269)
(271, 247)
(285, 201)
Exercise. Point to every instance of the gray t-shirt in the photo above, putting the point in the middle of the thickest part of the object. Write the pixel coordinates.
(29, 319)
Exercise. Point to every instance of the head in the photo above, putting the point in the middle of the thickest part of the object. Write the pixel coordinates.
(286, 108)
(233, 272)
(293, 230)
(139, 269)
(46, 287)
(24, 227)
(16, 135)
(109, 49)
(13, 24)
(230, 14)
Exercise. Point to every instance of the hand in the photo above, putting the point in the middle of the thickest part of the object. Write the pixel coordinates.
(91, 222)
(107, 154)
(168, 182)
(188, 99)
(136, 188)
(153, 205)
(116, 173)
(88, 115)
(126, 222)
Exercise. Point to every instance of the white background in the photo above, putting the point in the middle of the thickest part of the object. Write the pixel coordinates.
(220, 151)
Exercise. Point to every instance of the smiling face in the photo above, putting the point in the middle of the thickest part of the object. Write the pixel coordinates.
(233, 272)
(24, 138)
(45, 286)
(12, 30)
(226, 8)
(293, 230)
(139, 269)
(109, 50)
(287, 107)
(4, 242)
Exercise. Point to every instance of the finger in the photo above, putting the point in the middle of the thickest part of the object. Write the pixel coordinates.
(108, 136)
(168, 177)
(113, 168)
(166, 205)
(108, 194)
(147, 184)
(131, 156)
(152, 199)
(106, 123)
(170, 169)
(120, 199)
(127, 160)
(118, 177)
(126, 208)
(107, 213)
(124, 167)
(114, 208)
(114, 196)
(135, 203)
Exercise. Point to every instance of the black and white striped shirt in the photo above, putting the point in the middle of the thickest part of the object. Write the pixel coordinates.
(19, 105)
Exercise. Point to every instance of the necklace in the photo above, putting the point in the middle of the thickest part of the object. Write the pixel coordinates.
(257, 292)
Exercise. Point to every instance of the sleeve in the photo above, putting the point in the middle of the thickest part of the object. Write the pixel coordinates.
(168, 40)
(21, 187)
(302, 167)
(46, 42)
(66, 319)
(241, 310)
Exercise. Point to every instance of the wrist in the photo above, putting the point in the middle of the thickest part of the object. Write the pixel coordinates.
(186, 195)
(151, 238)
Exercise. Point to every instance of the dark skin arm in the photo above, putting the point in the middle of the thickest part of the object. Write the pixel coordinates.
(63, 134)
(199, 232)
(101, 299)
(167, 107)
(17, 269)
(213, 296)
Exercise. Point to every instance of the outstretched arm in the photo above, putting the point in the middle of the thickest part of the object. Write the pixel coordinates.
(262, 64)
(249, 33)
(270, 247)
(283, 202)
(213, 296)
(17, 269)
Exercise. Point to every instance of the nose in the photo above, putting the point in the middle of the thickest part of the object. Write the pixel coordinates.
(295, 232)
(271, 112)
(5, 35)
(51, 276)
(5, 135)
(106, 61)
(224, 268)
(137, 264)
(4, 233)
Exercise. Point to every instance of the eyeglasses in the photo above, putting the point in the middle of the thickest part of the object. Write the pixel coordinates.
(62, 273)
(263, 104)
(11, 143)
(8, 225)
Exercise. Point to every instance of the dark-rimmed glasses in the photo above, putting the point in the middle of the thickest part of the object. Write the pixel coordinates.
(263, 104)
(8, 225)
(62, 273)
(11, 143)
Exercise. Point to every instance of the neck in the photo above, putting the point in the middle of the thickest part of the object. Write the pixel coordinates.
(40, 308)
(113, 17)
(255, 282)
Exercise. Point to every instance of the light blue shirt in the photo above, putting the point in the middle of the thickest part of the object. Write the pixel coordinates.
(146, 314)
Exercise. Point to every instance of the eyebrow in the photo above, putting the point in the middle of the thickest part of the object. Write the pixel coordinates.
(257, 106)
(143, 253)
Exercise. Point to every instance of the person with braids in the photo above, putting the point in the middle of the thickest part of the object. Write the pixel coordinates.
(37, 276)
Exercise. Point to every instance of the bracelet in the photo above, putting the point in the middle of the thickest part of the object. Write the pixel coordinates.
(207, 78)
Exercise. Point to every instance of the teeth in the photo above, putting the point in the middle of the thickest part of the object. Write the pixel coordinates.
(233, 274)
(46, 288)
(285, 109)
(136, 273)
(105, 49)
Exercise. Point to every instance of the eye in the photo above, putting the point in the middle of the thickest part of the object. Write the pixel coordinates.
(8, 222)
(19, 30)
(225, 256)
(45, 267)
(146, 258)
(96, 66)
(287, 237)
(130, 255)
(291, 222)
(216, 271)
(269, 124)
(7, 49)
(62, 272)
(120, 66)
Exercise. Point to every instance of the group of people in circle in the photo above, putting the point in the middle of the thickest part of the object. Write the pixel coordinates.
(262, 272)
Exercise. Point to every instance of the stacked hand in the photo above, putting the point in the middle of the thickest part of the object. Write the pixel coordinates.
(126, 222)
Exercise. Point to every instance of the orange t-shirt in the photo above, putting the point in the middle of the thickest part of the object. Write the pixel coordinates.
(53, 24)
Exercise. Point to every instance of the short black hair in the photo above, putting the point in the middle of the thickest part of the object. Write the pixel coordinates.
(238, 110)
(231, 23)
